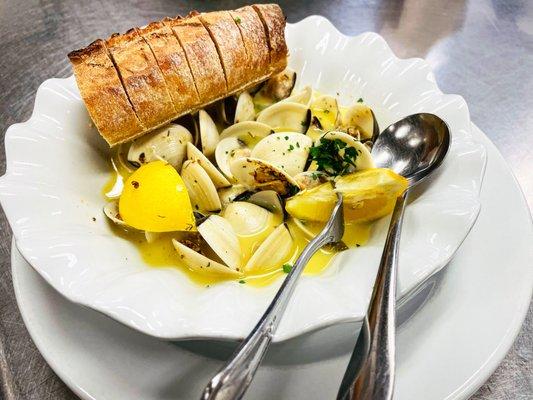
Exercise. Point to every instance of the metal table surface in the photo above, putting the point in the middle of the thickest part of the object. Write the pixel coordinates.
(480, 49)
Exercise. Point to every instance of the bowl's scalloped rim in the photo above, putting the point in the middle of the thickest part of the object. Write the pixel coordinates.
(224, 335)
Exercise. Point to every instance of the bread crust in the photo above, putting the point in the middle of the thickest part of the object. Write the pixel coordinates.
(274, 24)
(254, 38)
(202, 56)
(173, 64)
(103, 93)
(147, 77)
(227, 38)
(141, 77)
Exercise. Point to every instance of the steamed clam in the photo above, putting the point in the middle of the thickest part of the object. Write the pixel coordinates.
(222, 239)
(358, 120)
(273, 251)
(166, 143)
(247, 218)
(259, 174)
(208, 133)
(286, 116)
(303, 96)
(216, 176)
(363, 160)
(202, 190)
(286, 150)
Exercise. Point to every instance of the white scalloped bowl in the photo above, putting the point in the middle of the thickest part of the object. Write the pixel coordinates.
(57, 165)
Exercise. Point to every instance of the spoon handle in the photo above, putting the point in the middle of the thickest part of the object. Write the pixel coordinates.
(233, 380)
(370, 372)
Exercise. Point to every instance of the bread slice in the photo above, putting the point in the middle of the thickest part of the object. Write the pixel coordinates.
(142, 78)
(103, 94)
(254, 38)
(228, 41)
(173, 64)
(202, 56)
(274, 25)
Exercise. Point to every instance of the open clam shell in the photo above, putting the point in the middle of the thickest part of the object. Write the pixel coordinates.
(111, 212)
(166, 143)
(216, 176)
(259, 174)
(202, 190)
(200, 263)
(359, 117)
(245, 108)
(310, 179)
(273, 252)
(326, 109)
(222, 239)
(208, 133)
(268, 199)
(303, 96)
(286, 116)
(251, 129)
(286, 150)
(279, 86)
(247, 218)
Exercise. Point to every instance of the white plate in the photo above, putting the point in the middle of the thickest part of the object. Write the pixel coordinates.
(445, 351)
(56, 165)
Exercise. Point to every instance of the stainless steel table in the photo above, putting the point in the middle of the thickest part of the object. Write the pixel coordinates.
(480, 49)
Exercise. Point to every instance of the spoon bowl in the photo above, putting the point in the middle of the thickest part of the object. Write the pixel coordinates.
(413, 147)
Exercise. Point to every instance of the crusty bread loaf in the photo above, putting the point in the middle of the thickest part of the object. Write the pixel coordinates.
(103, 93)
(173, 64)
(135, 82)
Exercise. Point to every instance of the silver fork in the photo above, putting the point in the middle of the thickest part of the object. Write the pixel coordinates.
(232, 381)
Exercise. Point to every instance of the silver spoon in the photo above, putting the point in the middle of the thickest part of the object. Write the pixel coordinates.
(233, 380)
(413, 147)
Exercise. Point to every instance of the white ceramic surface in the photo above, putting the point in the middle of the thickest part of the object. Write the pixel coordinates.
(445, 351)
(57, 164)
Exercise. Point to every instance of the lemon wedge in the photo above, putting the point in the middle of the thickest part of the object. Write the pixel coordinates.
(155, 199)
(368, 195)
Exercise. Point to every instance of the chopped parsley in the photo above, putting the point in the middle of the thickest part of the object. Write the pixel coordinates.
(237, 20)
(333, 156)
(242, 281)
(287, 268)
(298, 144)
(291, 148)
(360, 100)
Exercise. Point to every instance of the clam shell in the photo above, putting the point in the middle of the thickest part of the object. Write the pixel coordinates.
(242, 130)
(268, 199)
(220, 236)
(200, 263)
(303, 96)
(273, 252)
(247, 218)
(111, 212)
(279, 86)
(286, 150)
(364, 159)
(245, 108)
(227, 150)
(359, 117)
(208, 133)
(202, 190)
(286, 116)
(310, 179)
(216, 176)
(326, 110)
(166, 143)
(259, 174)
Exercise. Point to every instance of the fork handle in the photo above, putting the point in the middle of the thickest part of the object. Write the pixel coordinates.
(233, 380)
(371, 370)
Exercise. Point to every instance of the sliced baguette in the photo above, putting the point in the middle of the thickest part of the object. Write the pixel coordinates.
(228, 41)
(173, 64)
(254, 38)
(274, 25)
(103, 93)
(142, 78)
(202, 56)
(146, 78)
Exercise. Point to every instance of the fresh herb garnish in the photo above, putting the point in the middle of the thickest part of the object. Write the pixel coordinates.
(287, 268)
(333, 156)
(360, 100)
(238, 20)
(298, 144)
(242, 281)
(291, 147)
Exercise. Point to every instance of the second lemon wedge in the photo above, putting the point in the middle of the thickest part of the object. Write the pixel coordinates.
(368, 195)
